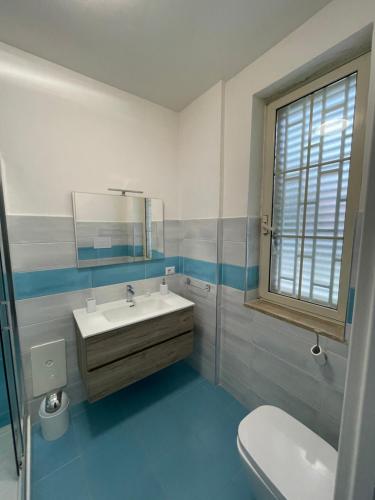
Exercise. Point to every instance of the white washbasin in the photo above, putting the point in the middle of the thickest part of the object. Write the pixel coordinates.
(141, 307)
(119, 313)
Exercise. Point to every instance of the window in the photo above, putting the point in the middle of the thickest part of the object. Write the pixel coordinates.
(311, 184)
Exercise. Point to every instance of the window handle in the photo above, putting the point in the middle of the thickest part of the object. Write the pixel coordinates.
(266, 227)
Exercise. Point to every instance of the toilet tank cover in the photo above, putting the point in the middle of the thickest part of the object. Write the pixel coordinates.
(294, 462)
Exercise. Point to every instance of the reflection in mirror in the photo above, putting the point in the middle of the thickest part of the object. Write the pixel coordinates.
(155, 228)
(113, 229)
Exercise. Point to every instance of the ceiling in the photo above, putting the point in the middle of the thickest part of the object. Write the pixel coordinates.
(166, 51)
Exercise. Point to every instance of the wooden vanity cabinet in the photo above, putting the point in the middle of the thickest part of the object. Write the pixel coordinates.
(115, 359)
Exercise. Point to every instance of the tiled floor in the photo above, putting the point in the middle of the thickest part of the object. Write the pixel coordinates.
(8, 474)
(171, 437)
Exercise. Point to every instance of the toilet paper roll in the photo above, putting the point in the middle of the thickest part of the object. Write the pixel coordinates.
(319, 355)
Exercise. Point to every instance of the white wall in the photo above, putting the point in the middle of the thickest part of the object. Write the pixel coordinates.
(356, 471)
(317, 40)
(334, 23)
(199, 155)
(200, 144)
(60, 131)
(63, 132)
(109, 208)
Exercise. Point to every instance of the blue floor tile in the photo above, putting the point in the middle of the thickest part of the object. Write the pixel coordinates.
(172, 381)
(171, 436)
(119, 470)
(189, 472)
(198, 408)
(65, 483)
(114, 482)
(48, 456)
(99, 424)
(158, 431)
(241, 486)
(220, 438)
(234, 407)
(93, 433)
(238, 488)
(79, 408)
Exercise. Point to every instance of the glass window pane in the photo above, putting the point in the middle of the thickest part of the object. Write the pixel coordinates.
(311, 177)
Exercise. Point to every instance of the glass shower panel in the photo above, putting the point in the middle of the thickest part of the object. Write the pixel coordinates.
(11, 397)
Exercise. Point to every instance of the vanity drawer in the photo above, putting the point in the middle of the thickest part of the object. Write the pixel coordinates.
(111, 346)
(126, 371)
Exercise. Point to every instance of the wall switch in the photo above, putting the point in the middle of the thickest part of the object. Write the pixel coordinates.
(48, 367)
(170, 270)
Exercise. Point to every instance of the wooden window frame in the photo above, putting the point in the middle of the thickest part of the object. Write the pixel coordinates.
(361, 67)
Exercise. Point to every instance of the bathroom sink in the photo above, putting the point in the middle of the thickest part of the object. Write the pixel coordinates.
(120, 313)
(141, 307)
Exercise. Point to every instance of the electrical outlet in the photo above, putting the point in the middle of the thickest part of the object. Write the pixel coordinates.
(170, 270)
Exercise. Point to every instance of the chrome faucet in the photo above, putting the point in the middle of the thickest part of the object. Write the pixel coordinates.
(130, 295)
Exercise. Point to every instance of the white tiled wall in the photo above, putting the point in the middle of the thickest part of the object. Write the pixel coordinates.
(203, 357)
(260, 359)
(267, 361)
(39, 243)
(199, 240)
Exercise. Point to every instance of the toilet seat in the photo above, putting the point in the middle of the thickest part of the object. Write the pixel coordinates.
(292, 461)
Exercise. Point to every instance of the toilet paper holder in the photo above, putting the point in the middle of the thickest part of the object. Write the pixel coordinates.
(318, 354)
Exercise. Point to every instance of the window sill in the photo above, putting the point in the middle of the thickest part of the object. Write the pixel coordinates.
(322, 326)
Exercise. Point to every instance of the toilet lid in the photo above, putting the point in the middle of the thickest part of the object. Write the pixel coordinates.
(290, 458)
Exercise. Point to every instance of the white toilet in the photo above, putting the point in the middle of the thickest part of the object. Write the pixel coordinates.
(285, 459)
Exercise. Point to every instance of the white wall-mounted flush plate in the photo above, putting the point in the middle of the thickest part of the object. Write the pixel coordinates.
(170, 270)
(48, 367)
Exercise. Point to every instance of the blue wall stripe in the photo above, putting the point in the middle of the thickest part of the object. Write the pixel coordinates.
(52, 281)
(118, 273)
(154, 269)
(200, 269)
(252, 277)
(173, 261)
(47, 282)
(157, 255)
(350, 306)
(37, 283)
(233, 276)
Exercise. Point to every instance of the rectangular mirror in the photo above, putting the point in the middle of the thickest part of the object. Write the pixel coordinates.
(113, 229)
